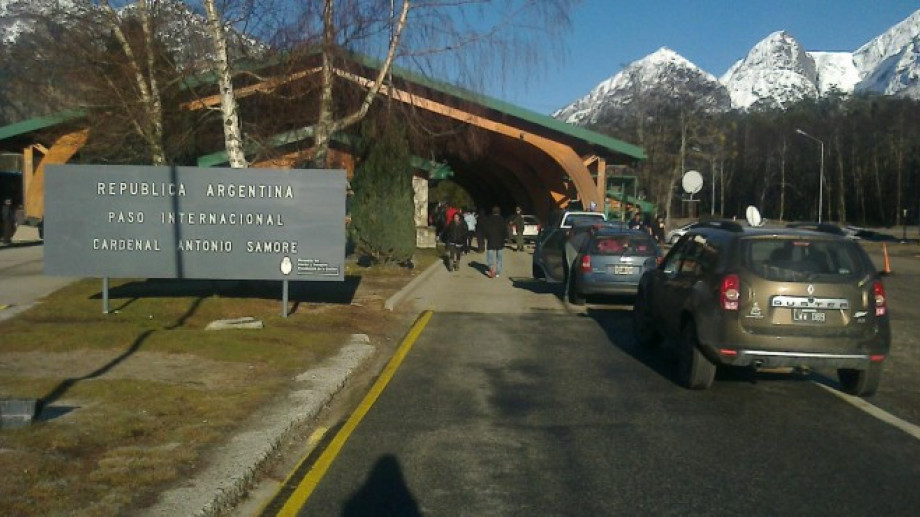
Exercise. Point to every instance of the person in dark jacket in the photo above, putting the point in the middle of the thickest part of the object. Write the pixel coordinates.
(517, 227)
(455, 238)
(495, 232)
(7, 221)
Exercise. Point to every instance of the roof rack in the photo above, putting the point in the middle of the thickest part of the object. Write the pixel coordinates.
(721, 224)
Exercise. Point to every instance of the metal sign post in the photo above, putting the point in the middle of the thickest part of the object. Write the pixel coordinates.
(105, 295)
(284, 298)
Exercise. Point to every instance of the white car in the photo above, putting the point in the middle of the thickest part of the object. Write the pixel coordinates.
(674, 235)
(569, 218)
(531, 228)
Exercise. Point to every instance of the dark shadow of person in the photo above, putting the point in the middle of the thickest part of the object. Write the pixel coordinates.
(384, 493)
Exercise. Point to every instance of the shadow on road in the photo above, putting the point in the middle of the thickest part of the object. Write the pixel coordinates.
(662, 359)
(384, 492)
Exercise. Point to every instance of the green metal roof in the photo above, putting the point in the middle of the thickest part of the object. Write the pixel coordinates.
(546, 121)
(35, 124)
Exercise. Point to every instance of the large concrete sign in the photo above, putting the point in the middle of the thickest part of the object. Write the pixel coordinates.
(189, 222)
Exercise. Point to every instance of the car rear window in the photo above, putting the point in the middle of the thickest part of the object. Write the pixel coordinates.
(627, 245)
(803, 260)
(574, 219)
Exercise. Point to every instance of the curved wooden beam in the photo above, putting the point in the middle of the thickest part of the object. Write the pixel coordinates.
(61, 151)
(570, 162)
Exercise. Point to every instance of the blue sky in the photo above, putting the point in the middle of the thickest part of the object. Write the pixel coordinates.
(713, 34)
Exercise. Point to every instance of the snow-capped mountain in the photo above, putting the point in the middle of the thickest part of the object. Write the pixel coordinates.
(183, 32)
(776, 73)
(18, 16)
(870, 56)
(664, 74)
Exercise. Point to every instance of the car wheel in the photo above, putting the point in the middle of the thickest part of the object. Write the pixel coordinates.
(646, 333)
(861, 383)
(575, 298)
(695, 370)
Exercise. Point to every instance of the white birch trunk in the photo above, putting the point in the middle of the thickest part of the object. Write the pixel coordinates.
(151, 127)
(233, 135)
(326, 124)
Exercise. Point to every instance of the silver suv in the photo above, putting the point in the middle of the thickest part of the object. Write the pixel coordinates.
(767, 298)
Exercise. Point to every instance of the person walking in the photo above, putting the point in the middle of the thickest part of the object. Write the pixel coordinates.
(455, 233)
(637, 223)
(658, 230)
(480, 240)
(517, 227)
(495, 232)
(469, 217)
(7, 221)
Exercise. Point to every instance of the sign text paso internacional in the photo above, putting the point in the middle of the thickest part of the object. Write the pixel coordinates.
(190, 222)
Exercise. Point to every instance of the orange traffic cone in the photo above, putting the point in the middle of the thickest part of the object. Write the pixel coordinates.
(887, 262)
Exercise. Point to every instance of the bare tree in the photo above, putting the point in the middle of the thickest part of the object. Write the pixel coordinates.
(327, 123)
(150, 126)
(233, 135)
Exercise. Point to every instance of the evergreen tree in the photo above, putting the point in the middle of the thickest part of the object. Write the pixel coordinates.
(382, 215)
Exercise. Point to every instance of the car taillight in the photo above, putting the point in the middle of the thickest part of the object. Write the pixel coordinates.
(881, 302)
(730, 292)
(586, 264)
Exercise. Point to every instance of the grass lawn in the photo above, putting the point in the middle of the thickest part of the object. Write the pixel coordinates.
(133, 401)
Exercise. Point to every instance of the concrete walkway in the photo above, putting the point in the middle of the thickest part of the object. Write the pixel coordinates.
(22, 278)
(471, 290)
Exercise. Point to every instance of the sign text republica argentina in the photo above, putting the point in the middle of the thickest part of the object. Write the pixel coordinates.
(160, 222)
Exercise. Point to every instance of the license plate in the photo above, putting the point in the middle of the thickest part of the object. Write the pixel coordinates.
(622, 270)
(809, 316)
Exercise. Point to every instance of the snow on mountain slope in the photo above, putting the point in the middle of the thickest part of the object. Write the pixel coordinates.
(899, 74)
(776, 71)
(869, 56)
(836, 70)
(664, 71)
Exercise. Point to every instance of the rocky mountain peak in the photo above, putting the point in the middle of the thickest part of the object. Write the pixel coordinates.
(662, 74)
(776, 71)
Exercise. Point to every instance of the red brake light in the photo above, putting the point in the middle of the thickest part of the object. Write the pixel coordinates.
(730, 292)
(881, 301)
(586, 264)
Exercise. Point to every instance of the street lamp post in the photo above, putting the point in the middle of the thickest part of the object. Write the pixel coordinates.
(821, 184)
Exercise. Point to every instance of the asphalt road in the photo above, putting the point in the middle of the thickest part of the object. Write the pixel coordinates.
(521, 405)
(22, 279)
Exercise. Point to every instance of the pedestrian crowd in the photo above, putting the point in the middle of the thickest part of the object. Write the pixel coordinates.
(458, 227)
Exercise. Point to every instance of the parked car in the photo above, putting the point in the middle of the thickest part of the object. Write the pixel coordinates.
(531, 228)
(571, 218)
(765, 298)
(611, 261)
(674, 235)
(556, 249)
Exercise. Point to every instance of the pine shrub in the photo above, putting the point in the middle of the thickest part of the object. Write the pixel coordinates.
(383, 224)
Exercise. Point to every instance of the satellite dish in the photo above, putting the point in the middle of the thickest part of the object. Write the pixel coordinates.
(753, 216)
(692, 182)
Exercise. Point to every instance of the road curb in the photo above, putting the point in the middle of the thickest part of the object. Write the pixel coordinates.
(227, 479)
(401, 295)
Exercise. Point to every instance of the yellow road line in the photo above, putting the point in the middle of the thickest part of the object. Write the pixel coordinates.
(4, 306)
(309, 483)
